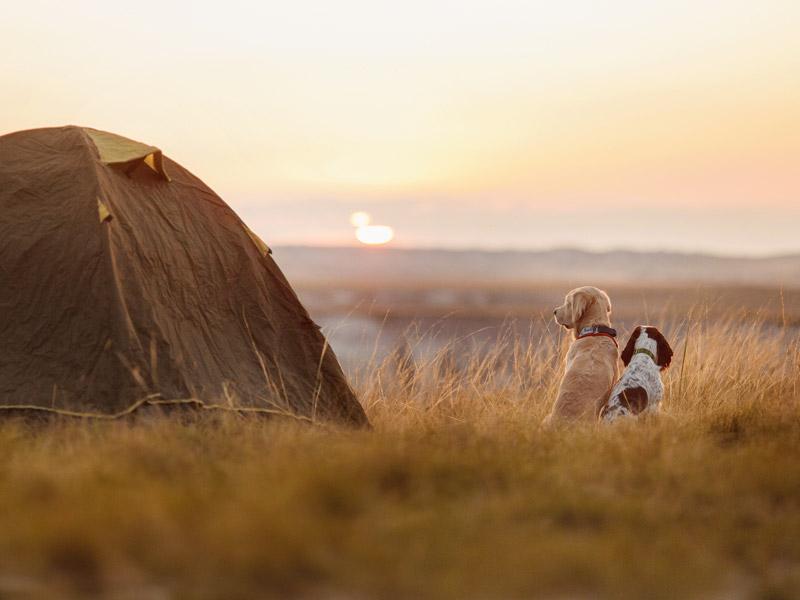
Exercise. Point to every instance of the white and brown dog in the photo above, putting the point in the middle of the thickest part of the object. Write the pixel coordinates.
(639, 389)
(592, 364)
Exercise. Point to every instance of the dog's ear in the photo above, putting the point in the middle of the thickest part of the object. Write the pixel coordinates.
(608, 302)
(663, 349)
(627, 352)
(578, 304)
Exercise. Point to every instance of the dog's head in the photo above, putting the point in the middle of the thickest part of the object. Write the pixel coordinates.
(648, 338)
(583, 304)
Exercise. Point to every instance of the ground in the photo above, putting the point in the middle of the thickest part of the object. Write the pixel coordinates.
(457, 492)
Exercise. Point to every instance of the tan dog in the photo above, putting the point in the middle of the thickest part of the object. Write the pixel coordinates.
(592, 364)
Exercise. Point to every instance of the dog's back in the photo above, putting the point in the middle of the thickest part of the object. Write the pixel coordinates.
(591, 370)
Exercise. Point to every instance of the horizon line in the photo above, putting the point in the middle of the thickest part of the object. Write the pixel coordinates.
(542, 250)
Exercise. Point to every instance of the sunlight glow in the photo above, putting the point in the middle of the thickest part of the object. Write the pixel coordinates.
(374, 235)
(360, 219)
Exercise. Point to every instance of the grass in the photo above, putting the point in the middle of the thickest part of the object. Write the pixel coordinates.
(456, 493)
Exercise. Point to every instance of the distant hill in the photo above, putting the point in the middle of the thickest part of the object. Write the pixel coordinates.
(305, 264)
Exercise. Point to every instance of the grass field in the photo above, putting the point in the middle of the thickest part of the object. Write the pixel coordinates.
(457, 492)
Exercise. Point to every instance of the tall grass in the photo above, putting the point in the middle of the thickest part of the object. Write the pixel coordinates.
(457, 492)
(735, 363)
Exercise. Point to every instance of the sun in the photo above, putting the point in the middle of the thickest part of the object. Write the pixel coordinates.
(371, 235)
(374, 235)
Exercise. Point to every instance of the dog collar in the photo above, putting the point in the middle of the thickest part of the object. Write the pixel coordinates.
(598, 330)
(647, 352)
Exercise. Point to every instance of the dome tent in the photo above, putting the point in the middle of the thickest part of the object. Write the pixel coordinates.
(125, 280)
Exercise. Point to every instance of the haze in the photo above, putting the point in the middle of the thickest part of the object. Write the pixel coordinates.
(460, 124)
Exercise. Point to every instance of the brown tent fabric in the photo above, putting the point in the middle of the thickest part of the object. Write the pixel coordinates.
(167, 295)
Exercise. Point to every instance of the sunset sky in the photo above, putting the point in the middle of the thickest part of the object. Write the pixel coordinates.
(670, 125)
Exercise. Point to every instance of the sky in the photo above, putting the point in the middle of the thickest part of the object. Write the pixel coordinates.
(489, 124)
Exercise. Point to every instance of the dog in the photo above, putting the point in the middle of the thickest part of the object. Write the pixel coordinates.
(592, 363)
(640, 389)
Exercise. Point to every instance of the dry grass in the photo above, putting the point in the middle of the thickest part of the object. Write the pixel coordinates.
(456, 493)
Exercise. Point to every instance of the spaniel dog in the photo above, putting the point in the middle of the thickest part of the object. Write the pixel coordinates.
(640, 389)
(592, 361)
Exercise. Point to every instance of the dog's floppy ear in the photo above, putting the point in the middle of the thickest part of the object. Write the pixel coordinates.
(608, 302)
(578, 304)
(627, 352)
(663, 349)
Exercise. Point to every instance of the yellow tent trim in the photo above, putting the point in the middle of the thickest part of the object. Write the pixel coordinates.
(103, 212)
(117, 150)
(262, 247)
(155, 161)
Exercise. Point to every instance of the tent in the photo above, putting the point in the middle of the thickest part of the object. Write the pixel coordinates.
(124, 280)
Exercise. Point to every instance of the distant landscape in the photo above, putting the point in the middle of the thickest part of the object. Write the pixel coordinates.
(371, 302)
(305, 264)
